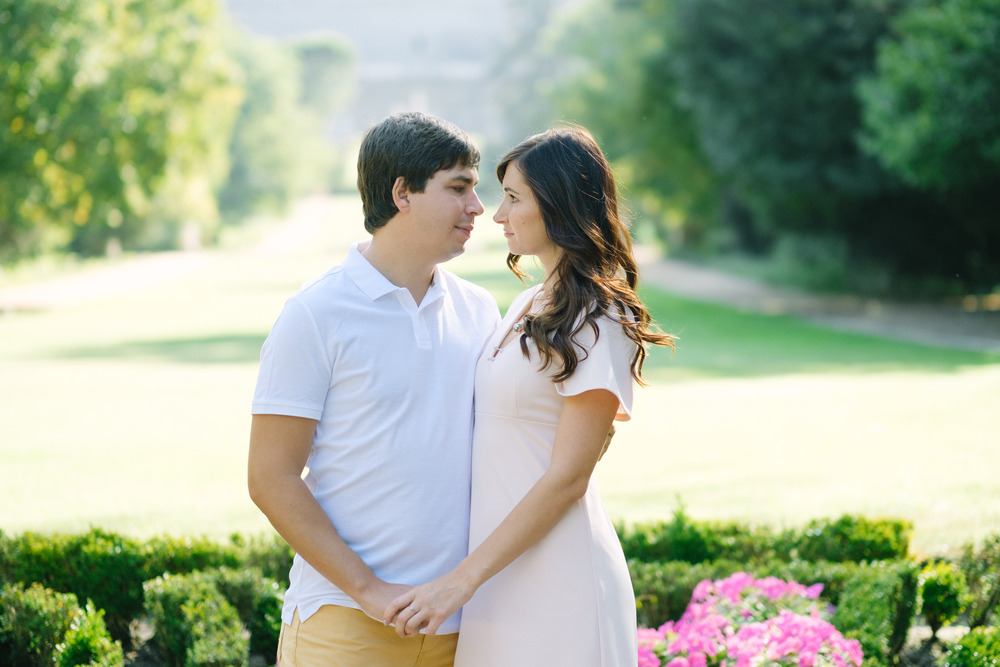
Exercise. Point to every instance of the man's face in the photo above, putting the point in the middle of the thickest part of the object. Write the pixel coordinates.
(446, 211)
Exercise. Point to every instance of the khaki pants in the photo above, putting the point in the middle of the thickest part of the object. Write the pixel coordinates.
(343, 637)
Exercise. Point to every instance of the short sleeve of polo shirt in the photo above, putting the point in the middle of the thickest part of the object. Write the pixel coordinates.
(295, 366)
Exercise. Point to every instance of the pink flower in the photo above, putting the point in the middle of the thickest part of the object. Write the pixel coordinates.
(650, 636)
(698, 660)
(743, 622)
(647, 658)
(813, 591)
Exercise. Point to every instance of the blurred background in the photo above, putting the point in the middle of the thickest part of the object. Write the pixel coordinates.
(851, 146)
(172, 170)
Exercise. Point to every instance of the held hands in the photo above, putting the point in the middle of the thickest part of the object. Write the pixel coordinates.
(379, 594)
(426, 607)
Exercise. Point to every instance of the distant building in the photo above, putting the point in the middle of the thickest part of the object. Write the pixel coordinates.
(411, 56)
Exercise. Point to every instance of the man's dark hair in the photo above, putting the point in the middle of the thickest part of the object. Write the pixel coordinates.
(412, 145)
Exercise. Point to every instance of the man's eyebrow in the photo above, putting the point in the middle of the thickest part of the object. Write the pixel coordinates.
(463, 179)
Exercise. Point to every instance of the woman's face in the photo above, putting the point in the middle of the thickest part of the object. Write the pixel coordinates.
(522, 222)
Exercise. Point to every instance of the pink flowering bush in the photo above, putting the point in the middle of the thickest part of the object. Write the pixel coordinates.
(745, 622)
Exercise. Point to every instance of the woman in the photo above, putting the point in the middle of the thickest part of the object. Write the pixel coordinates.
(550, 580)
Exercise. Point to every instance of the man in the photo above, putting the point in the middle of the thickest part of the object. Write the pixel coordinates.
(366, 381)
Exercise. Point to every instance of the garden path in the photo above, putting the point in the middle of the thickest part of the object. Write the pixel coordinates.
(973, 324)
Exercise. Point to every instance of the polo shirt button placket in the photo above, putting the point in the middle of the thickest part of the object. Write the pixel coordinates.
(420, 330)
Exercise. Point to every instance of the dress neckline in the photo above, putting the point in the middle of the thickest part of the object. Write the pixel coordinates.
(506, 340)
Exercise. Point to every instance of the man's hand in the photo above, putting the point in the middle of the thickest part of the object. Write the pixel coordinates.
(377, 597)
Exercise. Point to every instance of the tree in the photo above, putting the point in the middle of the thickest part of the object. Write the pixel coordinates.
(743, 121)
(771, 86)
(607, 71)
(930, 108)
(326, 66)
(276, 147)
(175, 54)
(930, 117)
(43, 142)
(101, 102)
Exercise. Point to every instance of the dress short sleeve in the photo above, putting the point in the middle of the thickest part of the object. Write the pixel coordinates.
(608, 365)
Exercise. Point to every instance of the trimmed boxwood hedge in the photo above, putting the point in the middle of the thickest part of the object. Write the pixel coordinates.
(876, 607)
(41, 627)
(198, 588)
(99, 566)
(193, 623)
(109, 569)
(848, 539)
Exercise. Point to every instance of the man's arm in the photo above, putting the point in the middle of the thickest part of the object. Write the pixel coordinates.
(279, 450)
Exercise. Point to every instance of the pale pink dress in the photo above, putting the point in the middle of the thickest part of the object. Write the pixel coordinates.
(568, 599)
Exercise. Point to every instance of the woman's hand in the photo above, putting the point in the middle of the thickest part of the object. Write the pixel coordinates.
(426, 607)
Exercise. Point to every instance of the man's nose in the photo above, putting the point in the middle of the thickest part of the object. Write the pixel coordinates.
(476, 206)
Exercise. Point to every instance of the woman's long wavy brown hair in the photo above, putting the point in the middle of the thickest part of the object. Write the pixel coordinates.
(575, 189)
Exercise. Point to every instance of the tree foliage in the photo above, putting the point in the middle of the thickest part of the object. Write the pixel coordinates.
(858, 135)
(930, 117)
(931, 106)
(276, 147)
(604, 65)
(131, 123)
(771, 86)
(104, 104)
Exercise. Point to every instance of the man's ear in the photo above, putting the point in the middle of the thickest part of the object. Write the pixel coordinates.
(401, 194)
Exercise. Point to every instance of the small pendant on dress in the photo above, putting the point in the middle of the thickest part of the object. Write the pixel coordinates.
(517, 327)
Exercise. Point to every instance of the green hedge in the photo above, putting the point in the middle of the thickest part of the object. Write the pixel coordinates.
(851, 539)
(981, 566)
(99, 566)
(877, 606)
(193, 624)
(40, 627)
(269, 554)
(109, 569)
(689, 541)
(846, 539)
(979, 648)
(180, 555)
(172, 601)
(233, 591)
(944, 594)
(258, 601)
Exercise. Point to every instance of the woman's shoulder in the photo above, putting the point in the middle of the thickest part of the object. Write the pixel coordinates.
(532, 291)
(527, 295)
(614, 315)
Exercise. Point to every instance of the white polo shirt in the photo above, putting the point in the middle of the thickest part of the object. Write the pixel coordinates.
(390, 383)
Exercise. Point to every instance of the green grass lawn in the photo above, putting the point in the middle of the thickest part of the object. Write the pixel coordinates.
(132, 412)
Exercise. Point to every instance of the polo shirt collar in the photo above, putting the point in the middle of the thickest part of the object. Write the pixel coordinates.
(374, 284)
